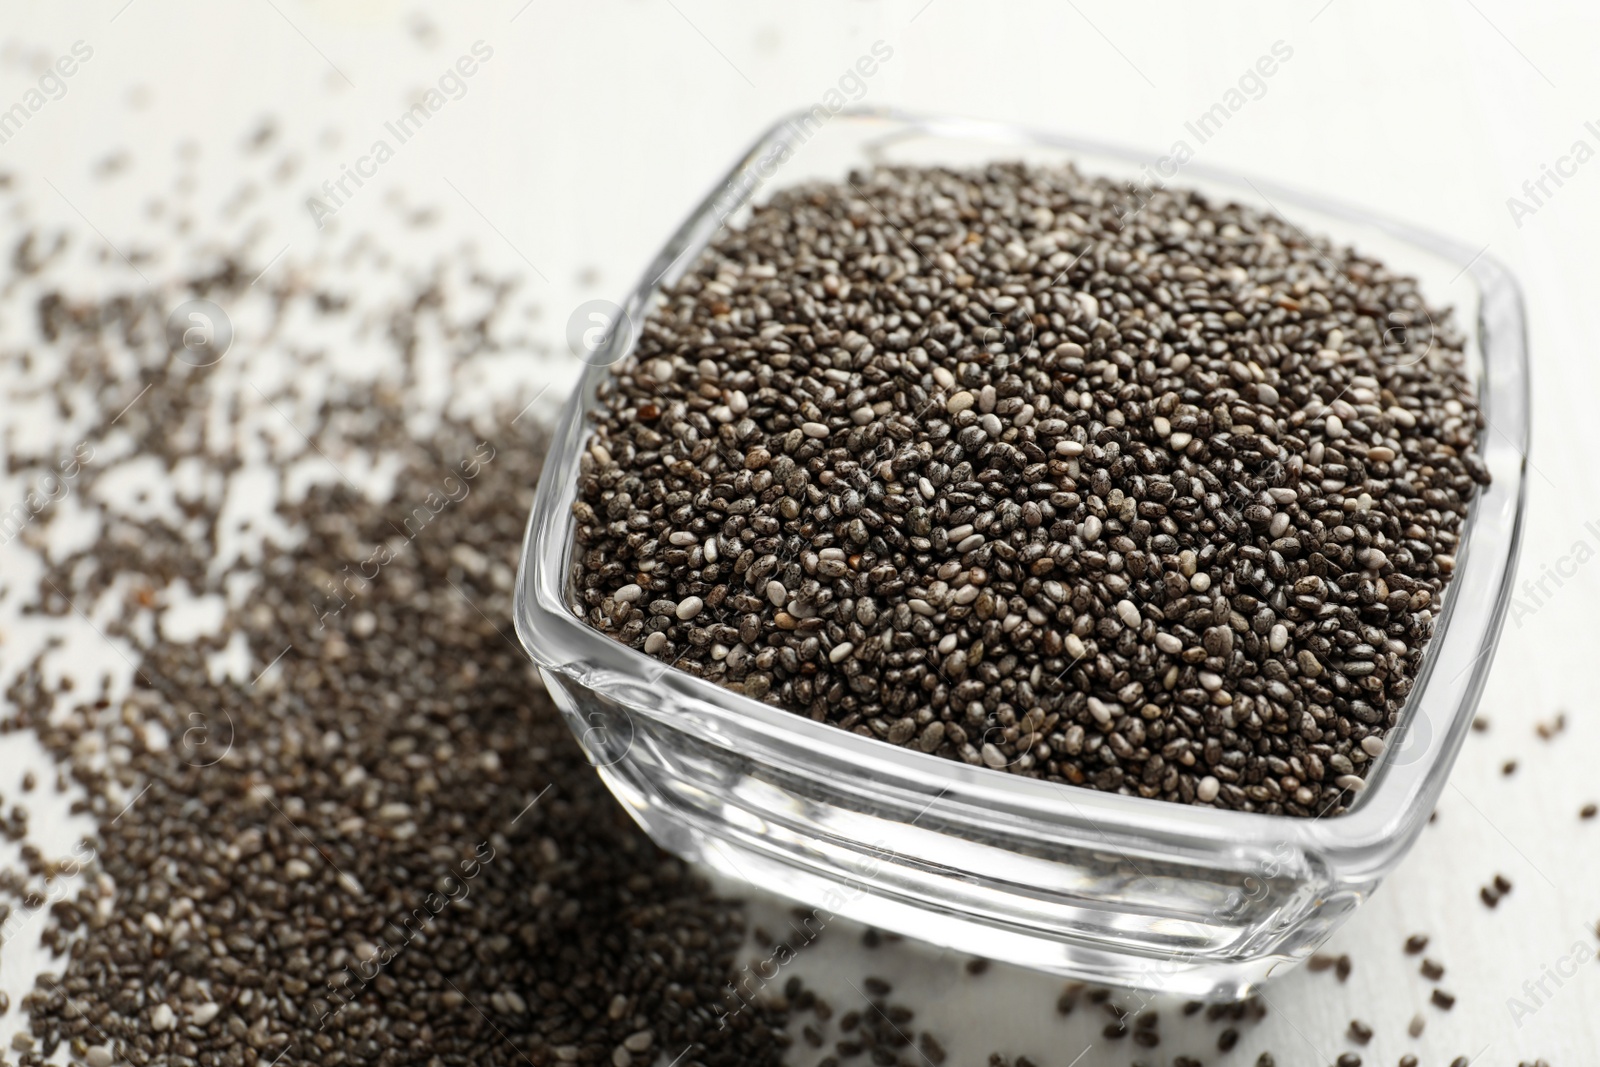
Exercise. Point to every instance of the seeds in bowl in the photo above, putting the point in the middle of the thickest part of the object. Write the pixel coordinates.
(1123, 488)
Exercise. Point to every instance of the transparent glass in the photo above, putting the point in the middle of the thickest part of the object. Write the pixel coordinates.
(1108, 888)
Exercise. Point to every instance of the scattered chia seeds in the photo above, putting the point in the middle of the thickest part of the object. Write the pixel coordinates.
(393, 851)
(992, 465)
(1492, 893)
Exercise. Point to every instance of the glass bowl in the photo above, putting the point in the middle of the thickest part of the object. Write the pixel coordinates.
(1099, 886)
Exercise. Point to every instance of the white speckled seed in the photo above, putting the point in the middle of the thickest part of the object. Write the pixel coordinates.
(1278, 638)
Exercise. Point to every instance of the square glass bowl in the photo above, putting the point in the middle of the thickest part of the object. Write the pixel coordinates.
(1099, 886)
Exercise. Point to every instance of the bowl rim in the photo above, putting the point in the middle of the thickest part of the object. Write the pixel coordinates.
(1366, 838)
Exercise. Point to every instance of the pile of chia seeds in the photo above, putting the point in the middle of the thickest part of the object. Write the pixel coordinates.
(379, 843)
(1118, 487)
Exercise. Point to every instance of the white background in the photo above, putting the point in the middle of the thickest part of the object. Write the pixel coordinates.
(594, 128)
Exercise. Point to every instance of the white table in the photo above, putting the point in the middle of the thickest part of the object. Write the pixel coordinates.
(587, 132)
